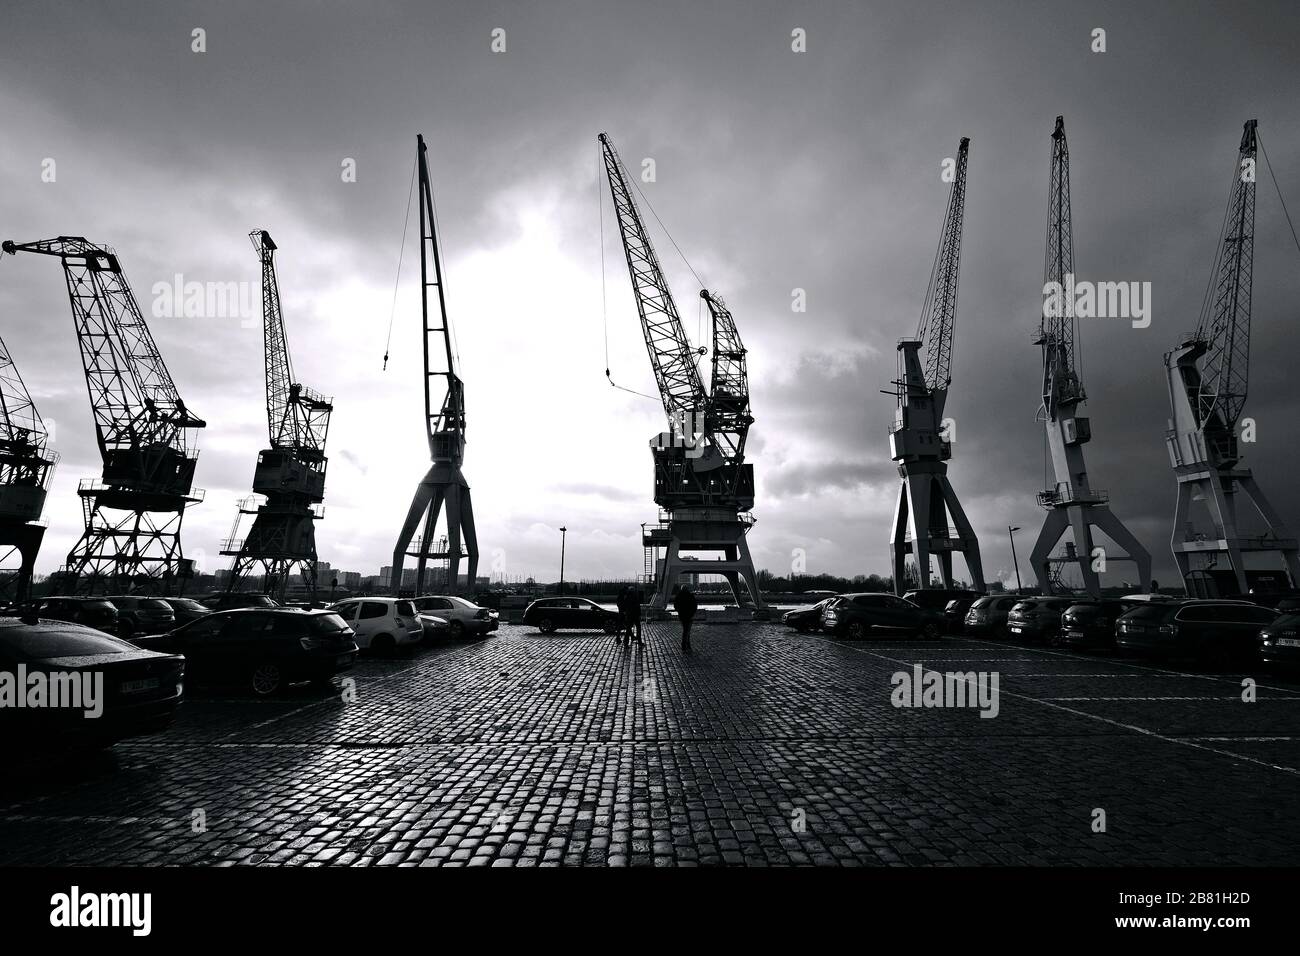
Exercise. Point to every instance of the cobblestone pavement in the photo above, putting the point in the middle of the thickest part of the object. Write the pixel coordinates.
(764, 748)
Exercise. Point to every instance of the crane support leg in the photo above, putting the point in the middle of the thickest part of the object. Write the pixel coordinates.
(1053, 530)
(442, 492)
(970, 545)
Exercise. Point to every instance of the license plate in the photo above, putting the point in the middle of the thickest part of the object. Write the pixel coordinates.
(136, 686)
(1017, 627)
(1288, 642)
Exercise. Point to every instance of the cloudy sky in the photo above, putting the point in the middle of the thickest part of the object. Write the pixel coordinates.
(776, 170)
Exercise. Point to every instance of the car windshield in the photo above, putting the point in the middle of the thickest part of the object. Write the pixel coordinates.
(327, 623)
(187, 604)
(48, 642)
(461, 602)
(405, 609)
(155, 605)
(1024, 606)
(99, 605)
(1148, 612)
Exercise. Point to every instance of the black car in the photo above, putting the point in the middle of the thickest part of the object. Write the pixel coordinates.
(1091, 623)
(1215, 630)
(805, 619)
(133, 691)
(1279, 641)
(936, 599)
(549, 615)
(954, 612)
(142, 615)
(262, 650)
(187, 609)
(228, 601)
(1038, 618)
(862, 615)
(988, 615)
(98, 613)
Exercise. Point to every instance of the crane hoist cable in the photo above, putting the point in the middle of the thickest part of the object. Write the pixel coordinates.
(1285, 211)
(401, 252)
(604, 309)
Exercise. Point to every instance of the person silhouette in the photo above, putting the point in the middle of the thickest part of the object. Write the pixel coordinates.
(685, 605)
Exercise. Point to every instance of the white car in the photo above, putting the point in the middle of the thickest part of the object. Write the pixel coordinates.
(381, 624)
(464, 617)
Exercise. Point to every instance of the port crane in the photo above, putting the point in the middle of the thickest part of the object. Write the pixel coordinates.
(1072, 504)
(289, 479)
(444, 485)
(1208, 378)
(703, 485)
(26, 465)
(144, 430)
(919, 439)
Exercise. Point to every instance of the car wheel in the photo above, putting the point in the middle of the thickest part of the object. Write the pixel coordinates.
(383, 645)
(610, 627)
(546, 626)
(857, 631)
(457, 630)
(266, 679)
(931, 631)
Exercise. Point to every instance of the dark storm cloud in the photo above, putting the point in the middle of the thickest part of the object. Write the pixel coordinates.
(775, 171)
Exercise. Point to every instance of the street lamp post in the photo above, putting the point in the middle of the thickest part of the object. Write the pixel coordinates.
(1011, 533)
(564, 533)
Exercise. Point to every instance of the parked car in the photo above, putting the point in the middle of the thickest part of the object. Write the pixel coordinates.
(1279, 641)
(549, 615)
(227, 601)
(936, 599)
(381, 624)
(1216, 630)
(1038, 618)
(988, 615)
(435, 628)
(262, 650)
(91, 612)
(139, 690)
(954, 612)
(187, 609)
(463, 617)
(142, 615)
(862, 615)
(1092, 623)
(805, 619)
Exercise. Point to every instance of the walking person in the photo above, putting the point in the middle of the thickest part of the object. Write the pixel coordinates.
(634, 611)
(629, 610)
(685, 605)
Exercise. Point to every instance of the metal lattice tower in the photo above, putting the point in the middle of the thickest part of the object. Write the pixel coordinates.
(1208, 379)
(289, 480)
(443, 485)
(919, 439)
(133, 516)
(703, 485)
(1072, 504)
(26, 464)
